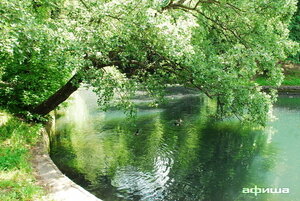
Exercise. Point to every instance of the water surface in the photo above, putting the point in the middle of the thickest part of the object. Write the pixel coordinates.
(177, 151)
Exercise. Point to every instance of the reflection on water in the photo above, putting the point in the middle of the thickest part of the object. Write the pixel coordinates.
(177, 152)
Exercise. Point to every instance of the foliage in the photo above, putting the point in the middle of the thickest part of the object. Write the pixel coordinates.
(291, 77)
(16, 178)
(295, 33)
(218, 47)
(34, 56)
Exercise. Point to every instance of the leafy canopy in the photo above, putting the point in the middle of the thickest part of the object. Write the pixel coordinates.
(218, 47)
(295, 33)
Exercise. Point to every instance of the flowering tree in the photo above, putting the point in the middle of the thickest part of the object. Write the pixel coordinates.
(50, 47)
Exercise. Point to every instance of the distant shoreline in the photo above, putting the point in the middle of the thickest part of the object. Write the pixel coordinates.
(285, 90)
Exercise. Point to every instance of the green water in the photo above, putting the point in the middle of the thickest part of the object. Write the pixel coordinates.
(178, 152)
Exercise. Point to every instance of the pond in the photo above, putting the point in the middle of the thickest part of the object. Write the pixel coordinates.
(178, 151)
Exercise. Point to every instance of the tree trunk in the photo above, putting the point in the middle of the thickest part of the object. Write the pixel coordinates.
(58, 97)
(65, 91)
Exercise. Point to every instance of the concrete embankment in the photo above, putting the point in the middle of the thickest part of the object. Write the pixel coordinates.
(285, 90)
(58, 187)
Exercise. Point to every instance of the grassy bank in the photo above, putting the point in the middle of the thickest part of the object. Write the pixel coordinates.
(16, 177)
(292, 77)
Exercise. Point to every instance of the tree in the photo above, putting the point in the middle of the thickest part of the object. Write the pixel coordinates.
(50, 47)
(295, 33)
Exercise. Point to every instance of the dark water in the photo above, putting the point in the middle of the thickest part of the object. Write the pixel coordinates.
(178, 152)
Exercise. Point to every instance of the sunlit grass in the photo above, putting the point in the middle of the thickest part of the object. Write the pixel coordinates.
(16, 177)
(292, 78)
(18, 185)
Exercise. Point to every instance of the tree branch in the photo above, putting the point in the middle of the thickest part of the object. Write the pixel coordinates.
(180, 6)
(85, 5)
(180, 3)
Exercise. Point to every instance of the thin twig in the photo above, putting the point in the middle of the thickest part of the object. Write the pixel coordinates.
(85, 5)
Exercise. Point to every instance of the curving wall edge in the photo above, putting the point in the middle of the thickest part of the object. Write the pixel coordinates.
(58, 186)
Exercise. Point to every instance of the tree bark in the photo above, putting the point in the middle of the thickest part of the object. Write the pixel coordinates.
(58, 97)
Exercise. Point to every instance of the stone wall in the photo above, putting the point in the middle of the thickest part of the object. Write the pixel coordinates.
(58, 186)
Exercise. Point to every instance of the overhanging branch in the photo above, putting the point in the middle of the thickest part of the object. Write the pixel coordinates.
(215, 21)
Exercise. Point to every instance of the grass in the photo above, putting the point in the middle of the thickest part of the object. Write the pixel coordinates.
(16, 177)
(292, 78)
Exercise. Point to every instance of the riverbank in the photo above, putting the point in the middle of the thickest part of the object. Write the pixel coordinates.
(17, 181)
(58, 187)
(291, 78)
(290, 84)
(285, 90)
(26, 170)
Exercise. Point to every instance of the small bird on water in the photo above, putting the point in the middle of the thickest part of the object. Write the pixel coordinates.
(137, 132)
(178, 122)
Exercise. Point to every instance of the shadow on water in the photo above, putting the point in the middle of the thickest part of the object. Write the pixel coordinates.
(175, 152)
